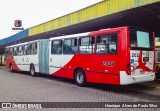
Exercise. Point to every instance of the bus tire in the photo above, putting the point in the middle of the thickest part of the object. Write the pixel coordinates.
(80, 77)
(32, 71)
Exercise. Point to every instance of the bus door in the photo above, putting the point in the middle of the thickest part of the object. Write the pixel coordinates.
(107, 58)
(86, 57)
(60, 57)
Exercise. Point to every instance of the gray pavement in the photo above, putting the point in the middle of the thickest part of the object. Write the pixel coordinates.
(21, 87)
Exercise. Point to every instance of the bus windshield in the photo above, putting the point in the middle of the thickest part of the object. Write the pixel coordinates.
(140, 39)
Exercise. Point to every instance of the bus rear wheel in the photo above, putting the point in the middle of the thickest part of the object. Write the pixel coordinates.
(80, 77)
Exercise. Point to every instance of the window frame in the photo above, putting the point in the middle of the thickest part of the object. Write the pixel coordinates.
(56, 48)
(34, 50)
(15, 51)
(11, 52)
(26, 49)
(20, 52)
(71, 45)
(109, 33)
(79, 44)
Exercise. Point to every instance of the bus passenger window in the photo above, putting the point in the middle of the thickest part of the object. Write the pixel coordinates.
(11, 51)
(20, 51)
(33, 48)
(23, 50)
(56, 47)
(86, 45)
(70, 46)
(26, 49)
(15, 52)
(107, 44)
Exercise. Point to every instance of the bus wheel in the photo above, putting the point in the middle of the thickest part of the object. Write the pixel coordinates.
(80, 77)
(32, 71)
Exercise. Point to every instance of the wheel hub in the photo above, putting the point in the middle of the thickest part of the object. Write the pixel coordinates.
(80, 77)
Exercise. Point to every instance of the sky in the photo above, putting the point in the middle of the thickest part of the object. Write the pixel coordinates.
(35, 12)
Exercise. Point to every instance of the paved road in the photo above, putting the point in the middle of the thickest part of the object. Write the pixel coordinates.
(21, 87)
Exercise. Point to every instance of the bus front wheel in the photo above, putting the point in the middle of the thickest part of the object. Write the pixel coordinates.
(80, 77)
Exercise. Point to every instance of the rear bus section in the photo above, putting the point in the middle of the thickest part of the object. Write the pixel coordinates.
(141, 61)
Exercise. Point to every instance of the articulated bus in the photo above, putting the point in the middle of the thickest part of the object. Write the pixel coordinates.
(121, 56)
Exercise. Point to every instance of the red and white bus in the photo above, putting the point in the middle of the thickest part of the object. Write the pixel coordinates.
(122, 56)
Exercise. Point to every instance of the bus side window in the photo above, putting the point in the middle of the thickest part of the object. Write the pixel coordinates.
(74, 46)
(70, 46)
(15, 51)
(86, 45)
(107, 44)
(23, 50)
(11, 51)
(56, 47)
(26, 50)
(33, 48)
(20, 51)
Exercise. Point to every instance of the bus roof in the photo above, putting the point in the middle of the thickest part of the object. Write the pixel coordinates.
(85, 33)
(21, 43)
(70, 36)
